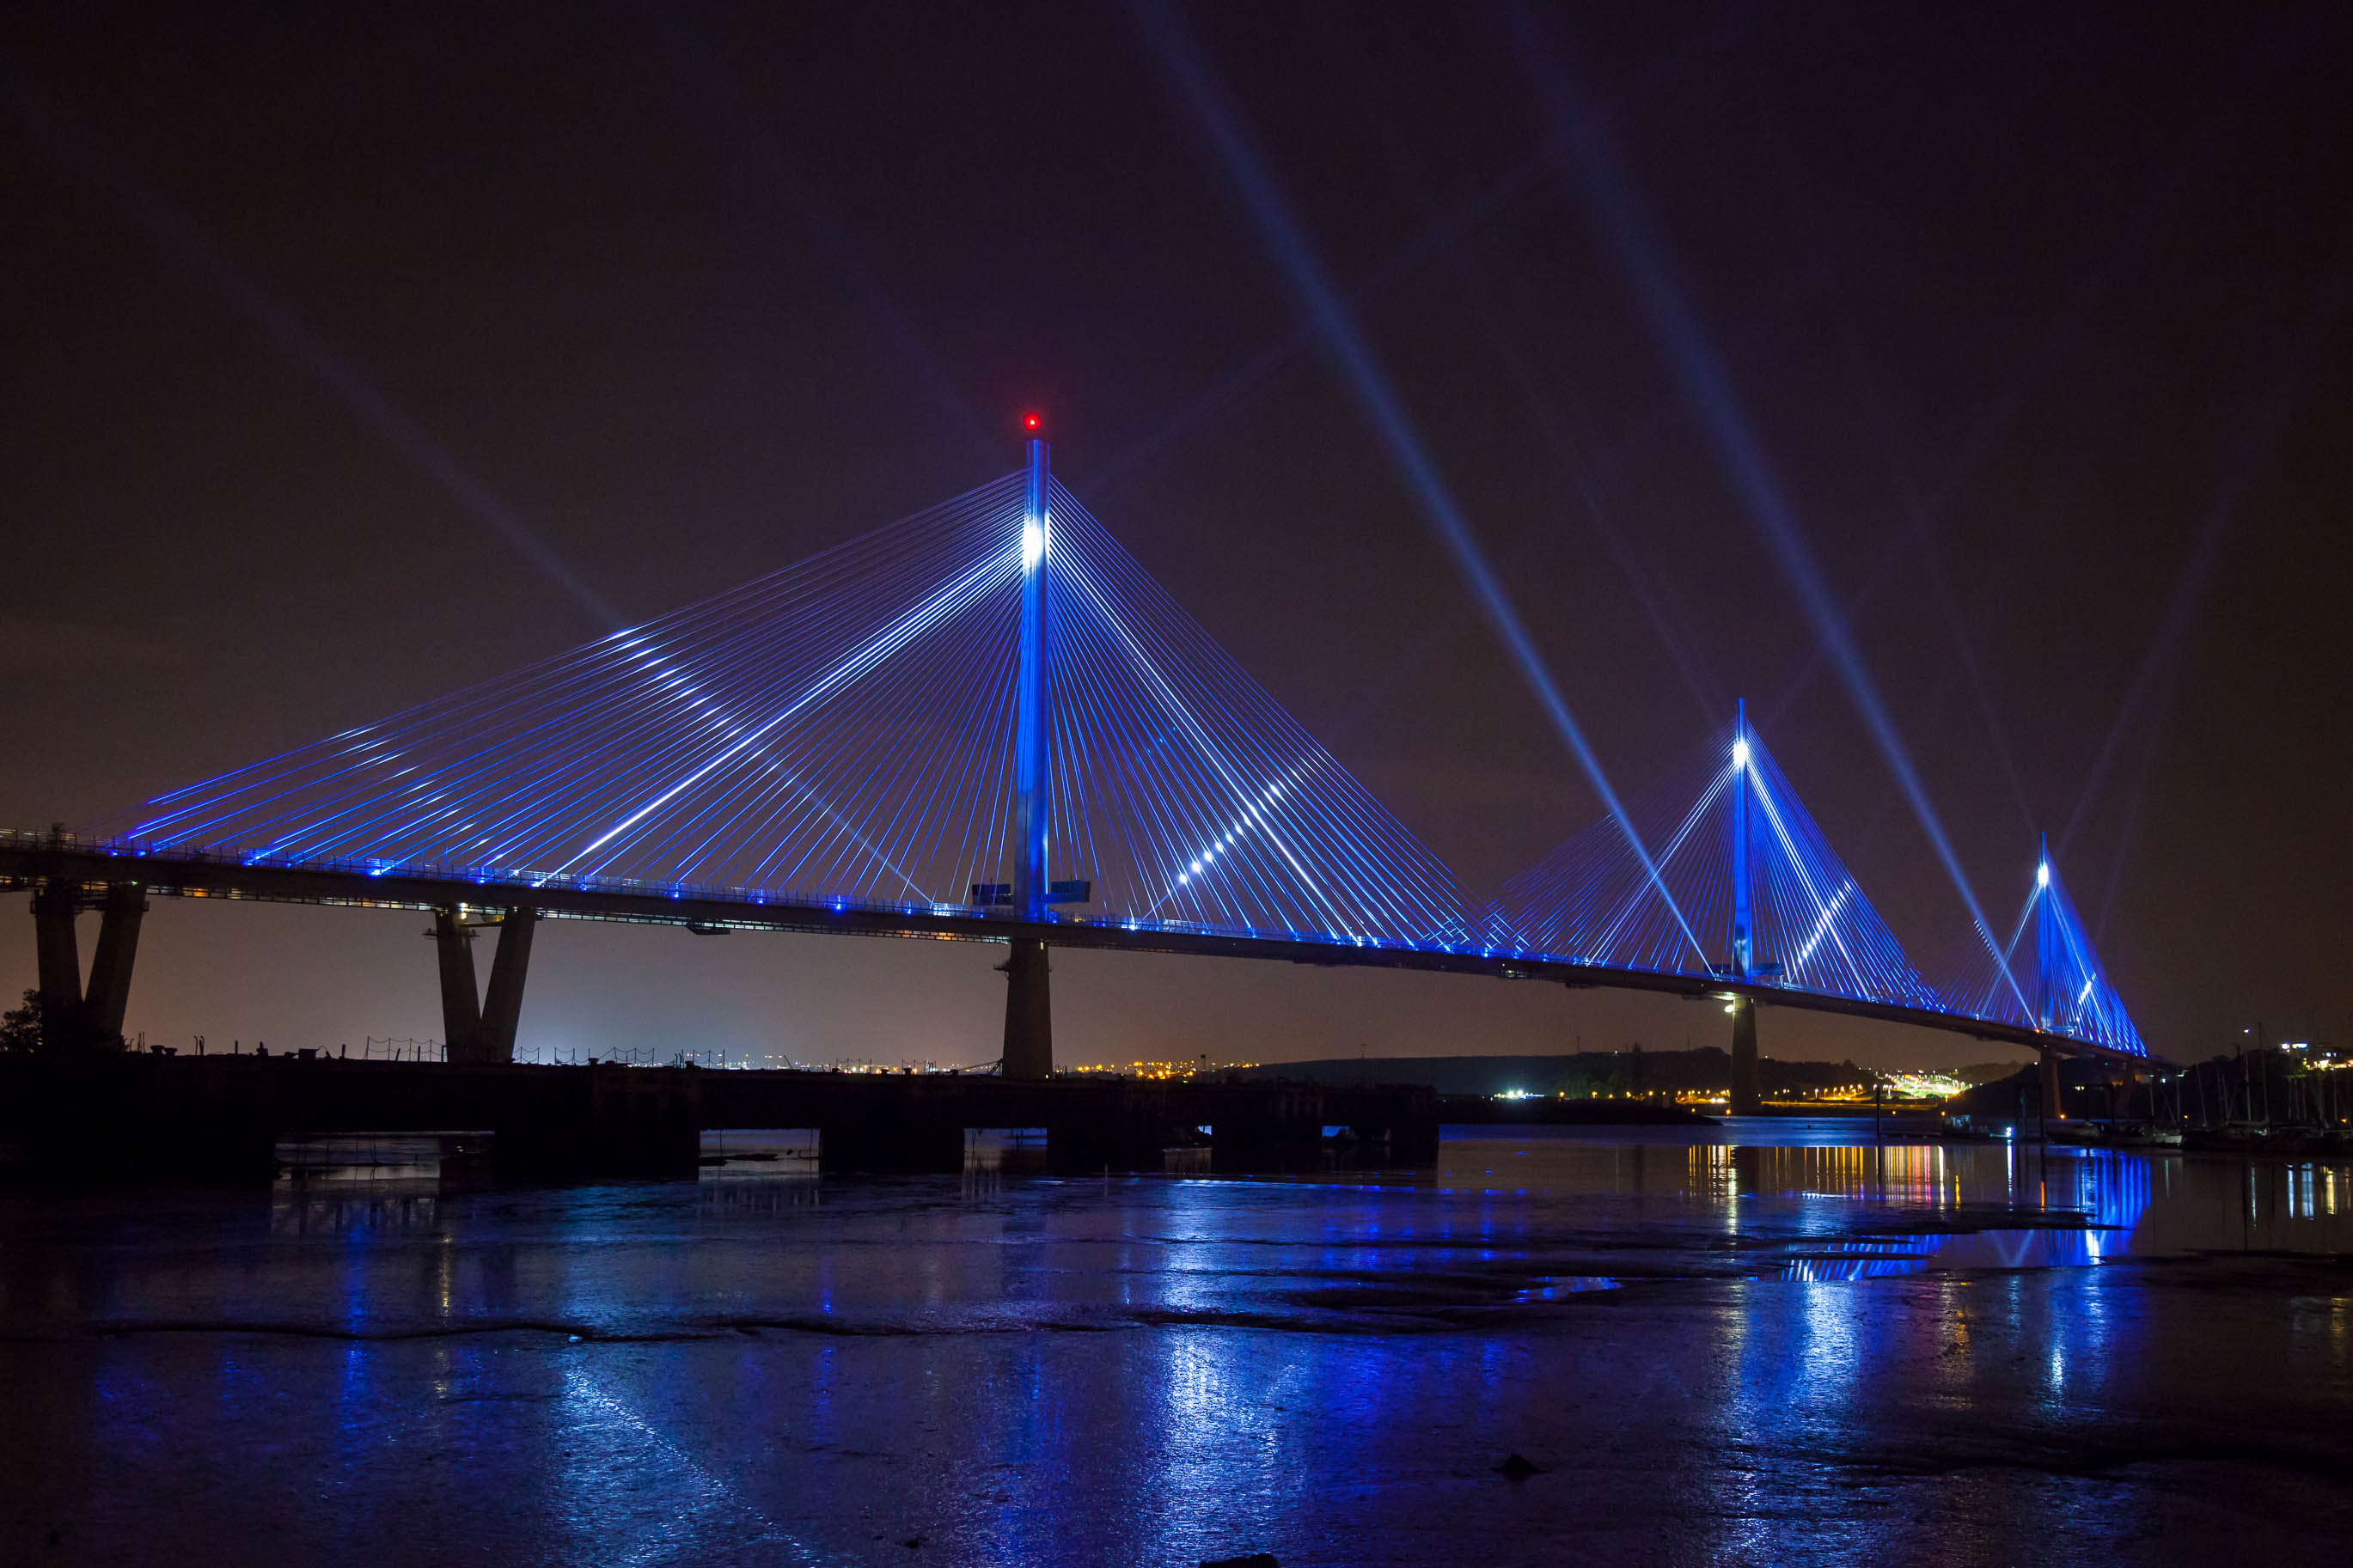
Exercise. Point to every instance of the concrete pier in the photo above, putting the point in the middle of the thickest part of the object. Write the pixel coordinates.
(1029, 1012)
(108, 997)
(58, 952)
(923, 1145)
(1747, 1076)
(601, 1120)
(480, 1030)
(503, 1007)
(1126, 1127)
(168, 1116)
(461, 999)
(1281, 1130)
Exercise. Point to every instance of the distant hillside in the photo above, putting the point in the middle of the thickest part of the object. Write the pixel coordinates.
(2084, 1085)
(1581, 1073)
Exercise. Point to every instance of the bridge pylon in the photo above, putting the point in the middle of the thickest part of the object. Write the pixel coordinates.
(1747, 1096)
(1029, 1001)
(1719, 874)
(2057, 986)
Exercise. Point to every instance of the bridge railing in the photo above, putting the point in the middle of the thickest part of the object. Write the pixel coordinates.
(463, 875)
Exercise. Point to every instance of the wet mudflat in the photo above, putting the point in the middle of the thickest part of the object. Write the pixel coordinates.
(1794, 1349)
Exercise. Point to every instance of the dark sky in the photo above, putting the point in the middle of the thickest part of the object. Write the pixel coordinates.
(355, 354)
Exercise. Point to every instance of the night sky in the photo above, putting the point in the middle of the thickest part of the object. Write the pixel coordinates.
(354, 355)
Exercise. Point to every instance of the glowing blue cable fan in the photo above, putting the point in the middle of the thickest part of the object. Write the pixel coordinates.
(843, 731)
(1748, 888)
(2048, 976)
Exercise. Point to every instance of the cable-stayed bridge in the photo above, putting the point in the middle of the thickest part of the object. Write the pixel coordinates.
(987, 721)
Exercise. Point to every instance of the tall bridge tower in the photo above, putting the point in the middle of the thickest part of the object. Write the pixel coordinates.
(1747, 1080)
(1029, 1009)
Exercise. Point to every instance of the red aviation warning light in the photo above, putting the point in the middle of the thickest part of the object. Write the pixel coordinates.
(1030, 424)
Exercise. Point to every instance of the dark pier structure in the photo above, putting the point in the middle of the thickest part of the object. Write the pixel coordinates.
(139, 1114)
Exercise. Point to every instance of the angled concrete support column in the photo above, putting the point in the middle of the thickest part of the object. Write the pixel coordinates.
(502, 1008)
(110, 967)
(461, 1006)
(1028, 1013)
(2053, 1107)
(58, 952)
(1747, 1077)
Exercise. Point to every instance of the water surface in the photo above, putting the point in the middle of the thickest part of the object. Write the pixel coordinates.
(1769, 1343)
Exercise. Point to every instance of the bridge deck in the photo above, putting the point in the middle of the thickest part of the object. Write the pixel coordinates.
(25, 859)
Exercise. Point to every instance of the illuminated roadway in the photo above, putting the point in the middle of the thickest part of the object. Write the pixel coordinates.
(28, 858)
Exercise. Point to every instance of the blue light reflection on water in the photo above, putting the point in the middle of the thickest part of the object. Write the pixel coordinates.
(1697, 1338)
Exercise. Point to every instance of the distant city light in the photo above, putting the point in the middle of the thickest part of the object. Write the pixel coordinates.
(1923, 1084)
(1196, 1067)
